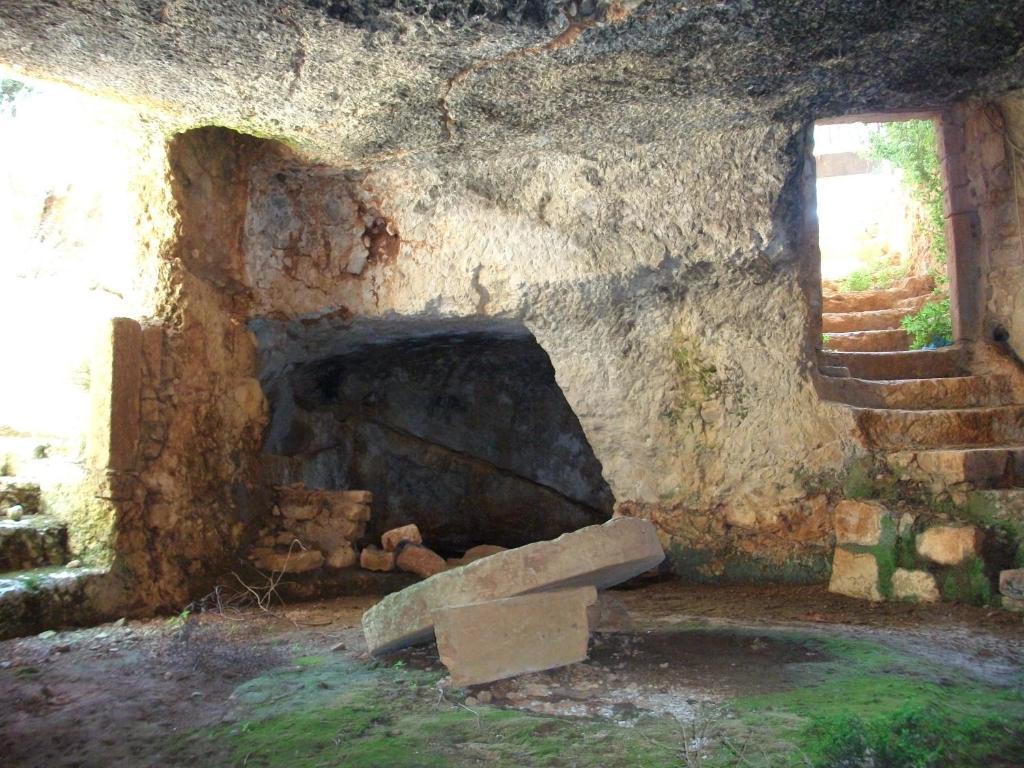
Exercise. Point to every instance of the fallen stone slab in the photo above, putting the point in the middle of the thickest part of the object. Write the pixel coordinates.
(512, 636)
(598, 555)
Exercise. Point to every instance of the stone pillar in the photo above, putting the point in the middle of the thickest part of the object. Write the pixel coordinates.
(115, 392)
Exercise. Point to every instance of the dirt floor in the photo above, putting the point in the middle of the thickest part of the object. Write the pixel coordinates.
(692, 676)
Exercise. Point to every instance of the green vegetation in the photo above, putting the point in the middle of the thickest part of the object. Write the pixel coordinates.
(699, 381)
(881, 272)
(841, 702)
(932, 325)
(910, 146)
(967, 583)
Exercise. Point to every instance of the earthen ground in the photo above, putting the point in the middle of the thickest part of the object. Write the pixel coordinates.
(139, 692)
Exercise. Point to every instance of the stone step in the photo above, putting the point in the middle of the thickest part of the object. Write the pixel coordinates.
(835, 371)
(35, 541)
(960, 427)
(14, 490)
(910, 364)
(920, 394)
(982, 468)
(874, 320)
(869, 341)
(52, 598)
(883, 298)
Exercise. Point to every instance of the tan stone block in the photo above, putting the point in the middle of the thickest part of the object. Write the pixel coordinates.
(341, 557)
(598, 555)
(859, 522)
(854, 575)
(1011, 582)
(296, 561)
(415, 558)
(511, 636)
(918, 586)
(391, 539)
(949, 545)
(374, 559)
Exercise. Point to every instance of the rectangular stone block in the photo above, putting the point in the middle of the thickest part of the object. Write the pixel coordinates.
(859, 522)
(115, 388)
(502, 638)
(949, 545)
(855, 575)
(916, 586)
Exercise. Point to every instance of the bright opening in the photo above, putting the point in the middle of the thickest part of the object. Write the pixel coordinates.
(72, 230)
(881, 231)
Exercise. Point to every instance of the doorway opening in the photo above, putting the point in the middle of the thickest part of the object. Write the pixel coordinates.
(882, 235)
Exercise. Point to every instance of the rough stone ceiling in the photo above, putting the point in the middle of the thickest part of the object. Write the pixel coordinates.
(357, 82)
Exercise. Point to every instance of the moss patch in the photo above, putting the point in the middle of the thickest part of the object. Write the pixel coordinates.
(967, 583)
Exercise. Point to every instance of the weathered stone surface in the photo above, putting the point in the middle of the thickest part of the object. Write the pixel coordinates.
(609, 614)
(1011, 582)
(375, 559)
(19, 493)
(115, 393)
(859, 522)
(949, 545)
(918, 586)
(391, 539)
(32, 543)
(294, 561)
(415, 558)
(481, 642)
(599, 556)
(342, 557)
(855, 575)
(1015, 604)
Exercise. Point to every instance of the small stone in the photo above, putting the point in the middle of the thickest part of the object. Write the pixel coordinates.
(471, 701)
(342, 557)
(949, 545)
(47, 634)
(1011, 582)
(391, 539)
(74, 564)
(918, 586)
(484, 697)
(16, 512)
(424, 562)
(375, 559)
(854, 575)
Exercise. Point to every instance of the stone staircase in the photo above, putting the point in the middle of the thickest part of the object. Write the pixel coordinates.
(869, 321)
(39, 587)
(930, 417)
(950, 420)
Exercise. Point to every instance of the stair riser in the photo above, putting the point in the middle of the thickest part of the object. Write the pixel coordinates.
(920, 394)
(885, 320)
(976, 468)
(25, 548)
(901, 430)
(865, 301)
(869, 341)
(886, 366)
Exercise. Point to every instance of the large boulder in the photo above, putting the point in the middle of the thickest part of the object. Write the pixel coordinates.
(598, 556)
